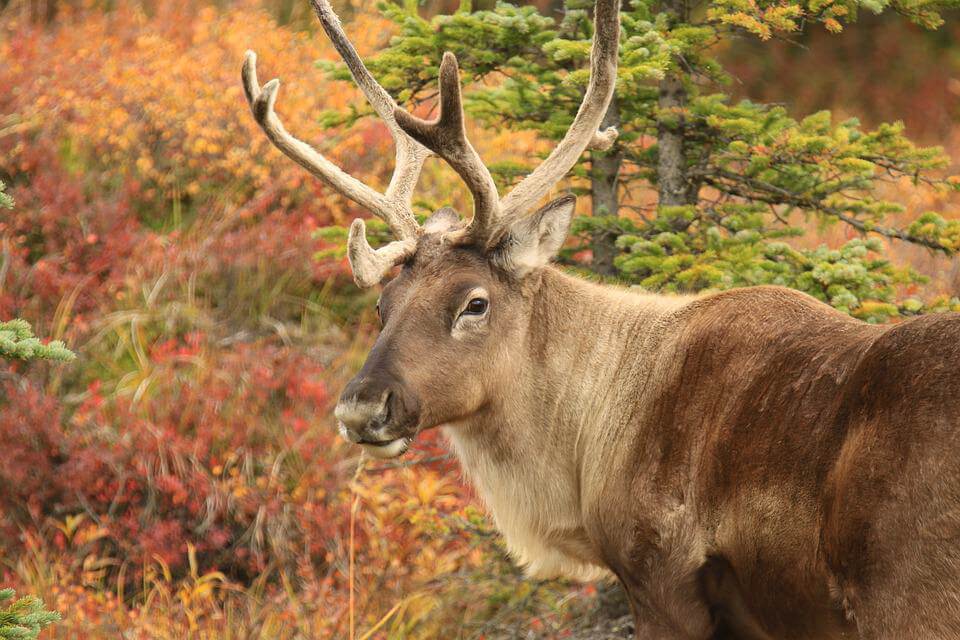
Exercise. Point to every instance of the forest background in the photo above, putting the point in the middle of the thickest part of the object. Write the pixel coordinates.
(182, 476)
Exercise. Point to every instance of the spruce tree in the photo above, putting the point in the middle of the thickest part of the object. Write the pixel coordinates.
(733, 179)
(6, 202)
(16, 337)
(24, 618)
(17, 342)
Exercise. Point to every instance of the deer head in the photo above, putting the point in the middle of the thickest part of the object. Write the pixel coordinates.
(464, 295)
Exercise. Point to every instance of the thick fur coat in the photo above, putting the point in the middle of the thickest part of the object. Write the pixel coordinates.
(752, 460)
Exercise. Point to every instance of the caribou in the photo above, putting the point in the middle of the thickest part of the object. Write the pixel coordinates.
(748, 464)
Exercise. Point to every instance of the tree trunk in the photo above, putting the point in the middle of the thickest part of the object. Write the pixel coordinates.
(604, 171)
(673, 185)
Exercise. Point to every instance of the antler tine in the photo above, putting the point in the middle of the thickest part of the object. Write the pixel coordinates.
(446, 137)
(393, 206)
(583, 132)
(410, 154)
(370, 265)
(262, 101)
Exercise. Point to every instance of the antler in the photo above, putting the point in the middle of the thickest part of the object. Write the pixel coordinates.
(415, 139)
(370, 265)
(446, 136)
(394, 205)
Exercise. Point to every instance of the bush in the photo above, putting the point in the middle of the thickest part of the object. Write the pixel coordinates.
(188, 454)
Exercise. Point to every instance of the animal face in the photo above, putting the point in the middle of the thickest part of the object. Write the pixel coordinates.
(460, 303)
(453, 322)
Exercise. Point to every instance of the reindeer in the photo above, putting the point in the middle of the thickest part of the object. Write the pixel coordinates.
(748, 464)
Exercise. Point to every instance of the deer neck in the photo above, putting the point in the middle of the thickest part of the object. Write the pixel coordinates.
(532, 454)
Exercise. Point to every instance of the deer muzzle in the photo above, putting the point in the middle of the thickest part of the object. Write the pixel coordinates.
(379, 415)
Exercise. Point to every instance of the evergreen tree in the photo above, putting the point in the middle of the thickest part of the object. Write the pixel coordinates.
(17, 342)
(23, 619)
(729, 176)
(16, 337)
(6, 202)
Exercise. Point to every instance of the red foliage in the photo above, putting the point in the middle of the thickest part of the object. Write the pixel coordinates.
(192, 463)
(159, 233)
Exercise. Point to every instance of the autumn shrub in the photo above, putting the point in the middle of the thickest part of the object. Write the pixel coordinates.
(149, 176)
(182, 477)
(146, 173)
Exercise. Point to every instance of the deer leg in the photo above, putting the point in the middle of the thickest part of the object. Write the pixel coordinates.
(705, 603)
(656, 623)
(667, 608)
(728, 606)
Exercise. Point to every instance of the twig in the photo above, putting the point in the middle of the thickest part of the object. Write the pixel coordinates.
(403, 464)
(354, 507)
(782, 196)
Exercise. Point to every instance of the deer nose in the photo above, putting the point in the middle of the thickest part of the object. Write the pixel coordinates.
(374, 410)
(361, 416)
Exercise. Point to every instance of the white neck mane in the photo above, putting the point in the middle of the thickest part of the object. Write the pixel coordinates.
(532, 458)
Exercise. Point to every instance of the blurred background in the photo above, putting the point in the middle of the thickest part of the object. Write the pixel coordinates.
(182, 477)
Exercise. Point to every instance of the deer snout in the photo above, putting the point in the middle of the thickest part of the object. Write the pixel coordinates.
(382, 418)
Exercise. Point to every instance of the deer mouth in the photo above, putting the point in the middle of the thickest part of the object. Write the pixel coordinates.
(386, 448)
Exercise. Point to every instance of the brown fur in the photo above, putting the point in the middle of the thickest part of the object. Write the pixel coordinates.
(750, 464)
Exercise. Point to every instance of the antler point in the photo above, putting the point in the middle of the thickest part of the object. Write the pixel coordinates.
(269, 94)
(410, 123)
(603, 139)
(358, 227)
(264, 101)
(248, 74)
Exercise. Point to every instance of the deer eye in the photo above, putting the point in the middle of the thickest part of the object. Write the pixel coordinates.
(476, 307)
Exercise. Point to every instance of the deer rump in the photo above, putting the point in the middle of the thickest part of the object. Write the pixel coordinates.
(818, 459)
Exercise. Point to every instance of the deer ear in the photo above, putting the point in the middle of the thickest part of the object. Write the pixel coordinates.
(534, 240)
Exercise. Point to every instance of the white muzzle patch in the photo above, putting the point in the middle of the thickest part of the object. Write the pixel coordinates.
(389, 450)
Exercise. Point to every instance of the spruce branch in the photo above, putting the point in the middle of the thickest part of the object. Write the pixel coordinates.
(17, 342)
(24, 618)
